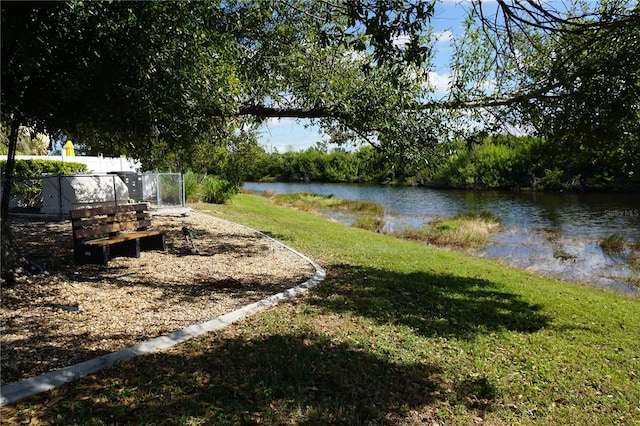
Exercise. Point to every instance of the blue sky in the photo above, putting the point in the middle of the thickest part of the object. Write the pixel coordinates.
(288, 134)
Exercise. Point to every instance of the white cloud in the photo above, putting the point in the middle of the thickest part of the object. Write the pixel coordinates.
(440, 82)
(444, 36)
(401, 40)
(278, 122)
(288, 134)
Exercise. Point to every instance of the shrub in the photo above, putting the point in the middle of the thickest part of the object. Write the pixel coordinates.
(27, 183)
(217, 191)
(552, 180)
(171, 189)
(192, 187)
(36, 168)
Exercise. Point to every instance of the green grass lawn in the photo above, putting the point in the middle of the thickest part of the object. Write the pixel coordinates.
(398, 333)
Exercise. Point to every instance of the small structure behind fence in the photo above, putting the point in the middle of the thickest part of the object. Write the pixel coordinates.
(55, 195)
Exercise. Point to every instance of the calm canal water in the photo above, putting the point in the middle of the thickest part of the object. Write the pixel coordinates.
(578, 221)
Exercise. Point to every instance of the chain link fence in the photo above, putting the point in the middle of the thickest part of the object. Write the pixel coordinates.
(55, 195)
(163, 189)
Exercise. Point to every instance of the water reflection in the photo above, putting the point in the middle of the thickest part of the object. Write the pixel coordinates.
(569, 258)
(588, 215)
(578, 222)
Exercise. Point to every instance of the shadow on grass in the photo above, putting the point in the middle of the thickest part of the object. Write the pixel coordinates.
(301, 376)
(296, 378)
(429, 303)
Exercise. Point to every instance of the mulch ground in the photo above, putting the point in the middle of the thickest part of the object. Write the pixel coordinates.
(72, 313)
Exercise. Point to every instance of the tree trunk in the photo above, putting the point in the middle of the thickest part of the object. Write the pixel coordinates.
(12, 262)
(8, 172)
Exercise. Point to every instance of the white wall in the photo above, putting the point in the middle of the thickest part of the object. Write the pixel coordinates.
(94, 164)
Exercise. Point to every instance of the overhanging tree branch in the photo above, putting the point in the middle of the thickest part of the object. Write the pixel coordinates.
(286, 112)
(541, 93)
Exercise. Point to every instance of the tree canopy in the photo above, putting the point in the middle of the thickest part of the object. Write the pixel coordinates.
(139, 78)
(131, 76)
(572, 78)
(161, 79)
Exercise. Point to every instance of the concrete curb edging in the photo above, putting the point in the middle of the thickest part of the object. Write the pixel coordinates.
(14, 392)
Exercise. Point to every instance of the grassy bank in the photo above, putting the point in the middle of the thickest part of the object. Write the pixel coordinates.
(367, 214)
(398, 333)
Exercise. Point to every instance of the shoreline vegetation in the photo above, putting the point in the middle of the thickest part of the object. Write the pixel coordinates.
(617, 247)
(399, 333)
(464, 232)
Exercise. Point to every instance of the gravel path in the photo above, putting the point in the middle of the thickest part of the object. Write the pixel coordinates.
(75, 313)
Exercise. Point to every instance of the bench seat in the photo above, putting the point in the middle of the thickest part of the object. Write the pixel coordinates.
(121, 238)
(102, 233)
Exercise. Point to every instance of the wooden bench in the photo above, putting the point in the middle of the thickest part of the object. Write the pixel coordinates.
(102, 233)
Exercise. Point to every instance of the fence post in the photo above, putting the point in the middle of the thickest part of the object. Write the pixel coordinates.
(59, 197)
(184, 196)
(115, 191)
(158, 190)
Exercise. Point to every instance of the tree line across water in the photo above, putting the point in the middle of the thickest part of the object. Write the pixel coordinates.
(483, 162)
